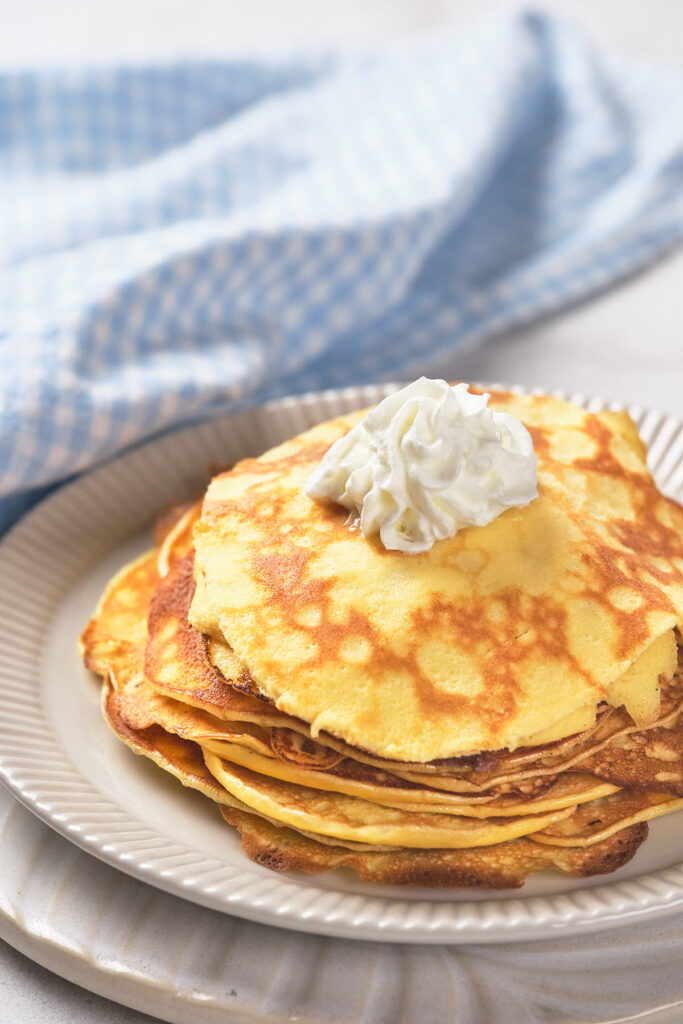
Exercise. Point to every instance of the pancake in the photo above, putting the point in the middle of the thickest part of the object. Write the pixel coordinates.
(492, 867)
(286, 849)
(248, 742)
(118, 627)
(179, 665)
(179, 757)
(352, 779)
(529, 772)
(502, 864)
(596, 822)
(160, 728)
(175, 535)
(185, 760)
(643, 760)
(113, 644)
(341, 817)
(313, 787)
(502, 636)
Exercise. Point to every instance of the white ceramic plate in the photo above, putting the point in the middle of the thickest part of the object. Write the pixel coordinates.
(182, 962)
(59, 758)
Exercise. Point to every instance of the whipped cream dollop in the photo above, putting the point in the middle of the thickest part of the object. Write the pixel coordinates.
(426, 462)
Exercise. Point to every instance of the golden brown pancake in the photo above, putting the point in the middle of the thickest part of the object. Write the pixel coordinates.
(178, 665)
(524, 775)
(501, 865)
(350, 830)
(502, 636)
(643, 760)
(342, 817)
(175, 535)
(285, 849)
(525, 771)
(492, 867)
(119, 623)
(350, 778)
(177, 756)
(596, 822)
(281, 753)
(574, 794)
(114, 645)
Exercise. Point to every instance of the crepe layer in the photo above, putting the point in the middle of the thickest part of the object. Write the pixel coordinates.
(502, 636)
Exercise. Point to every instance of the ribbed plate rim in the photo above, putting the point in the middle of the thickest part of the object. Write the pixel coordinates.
(132, 959)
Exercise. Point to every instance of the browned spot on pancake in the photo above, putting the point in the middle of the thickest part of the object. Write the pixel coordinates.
(540, 440)
(603, 460)
(643, 760)
(629, 561)
(610, 569)
(184, 646)
(284, 573)
(261, 466)
(271, 516)
(500, 645)
(645, 534)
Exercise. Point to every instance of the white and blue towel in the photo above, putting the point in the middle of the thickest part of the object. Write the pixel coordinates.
(183, 239)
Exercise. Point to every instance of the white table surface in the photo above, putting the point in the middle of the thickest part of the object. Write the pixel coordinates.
(624, 344)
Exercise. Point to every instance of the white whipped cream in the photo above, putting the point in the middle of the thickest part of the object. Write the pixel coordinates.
(426, 462)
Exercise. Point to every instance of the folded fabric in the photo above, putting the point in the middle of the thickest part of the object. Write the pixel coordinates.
(192, 238)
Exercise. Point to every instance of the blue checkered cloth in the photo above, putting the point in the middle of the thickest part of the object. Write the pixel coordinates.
(187, 239)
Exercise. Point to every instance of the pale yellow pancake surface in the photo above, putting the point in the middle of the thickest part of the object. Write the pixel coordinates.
(504, 635)
(298, 806)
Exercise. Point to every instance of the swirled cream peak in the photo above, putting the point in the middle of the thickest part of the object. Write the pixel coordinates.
(426, 462)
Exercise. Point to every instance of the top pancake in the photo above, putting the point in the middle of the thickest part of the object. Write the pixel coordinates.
(502, 636)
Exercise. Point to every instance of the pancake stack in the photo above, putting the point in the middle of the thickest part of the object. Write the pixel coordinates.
(509, 701)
